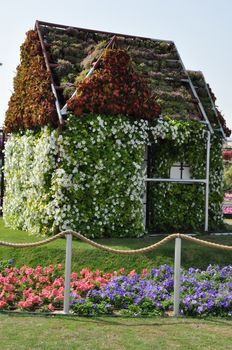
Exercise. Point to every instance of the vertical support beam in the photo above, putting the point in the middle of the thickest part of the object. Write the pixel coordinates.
(95, 66)
(214, 107)
(68, 266)
(145, 163)
(2, 155)
(207, 183)
(148, 187)
(177, 276)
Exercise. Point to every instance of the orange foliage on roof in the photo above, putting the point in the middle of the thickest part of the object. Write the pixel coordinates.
(32, 103)
(115, 88)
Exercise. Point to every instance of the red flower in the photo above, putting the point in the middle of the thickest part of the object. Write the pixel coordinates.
(115, 89)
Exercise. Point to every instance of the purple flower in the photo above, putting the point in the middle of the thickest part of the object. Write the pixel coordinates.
(203, 292)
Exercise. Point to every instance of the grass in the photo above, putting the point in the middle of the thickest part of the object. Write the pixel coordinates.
(30, 332)
(86, 256)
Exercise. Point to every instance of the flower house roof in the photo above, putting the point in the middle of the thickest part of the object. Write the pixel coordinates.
(70, 53)
(208, 99)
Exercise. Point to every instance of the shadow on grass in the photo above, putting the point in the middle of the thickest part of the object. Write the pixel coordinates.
(117, 320)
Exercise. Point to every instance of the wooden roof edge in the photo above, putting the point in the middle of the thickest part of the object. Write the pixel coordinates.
(62, 26)
(57, 104)
(211, 100)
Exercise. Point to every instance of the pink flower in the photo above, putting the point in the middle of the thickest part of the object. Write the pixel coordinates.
(144, 272)
(48, 270)
(74, 276)
(29, 271)
(27, 304)
(55, 292)
(2, 304)
(59, 266)
(10, 297)
(132, 273)
(44, 293)
(24, 279)
(27, 292)
(39, 270)
(85, 272)
(9, 288)
(43, 279)
(36, 299)
(51, 307)
(58, 282)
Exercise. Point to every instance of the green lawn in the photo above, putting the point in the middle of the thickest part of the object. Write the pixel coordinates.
(86, 256)
(46, 333)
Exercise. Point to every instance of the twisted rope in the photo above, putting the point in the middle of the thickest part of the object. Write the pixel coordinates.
(205, 243)
(119, 251)
(35, 244)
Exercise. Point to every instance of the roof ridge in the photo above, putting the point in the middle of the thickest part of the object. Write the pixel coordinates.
(62, 26)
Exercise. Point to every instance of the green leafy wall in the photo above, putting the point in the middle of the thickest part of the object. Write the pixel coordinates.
(181, 207)
(90, 177)
(101, 158)
(91, 180)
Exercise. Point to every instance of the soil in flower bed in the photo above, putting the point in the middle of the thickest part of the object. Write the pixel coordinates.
(203, 292)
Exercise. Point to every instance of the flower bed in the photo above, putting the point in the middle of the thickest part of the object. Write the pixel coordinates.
(227, 207)
(43, 287)
(227, 210)
(228, 196)
(203, 293)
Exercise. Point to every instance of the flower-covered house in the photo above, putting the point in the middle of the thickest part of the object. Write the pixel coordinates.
(110, 135)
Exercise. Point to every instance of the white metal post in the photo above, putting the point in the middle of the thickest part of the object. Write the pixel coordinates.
(145, 190)
(207, 183)
(68, 266)
(177, 276)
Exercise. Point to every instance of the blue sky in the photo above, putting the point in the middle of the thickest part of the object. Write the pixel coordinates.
(201, 29)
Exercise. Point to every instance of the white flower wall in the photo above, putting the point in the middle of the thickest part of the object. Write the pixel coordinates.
(29, 168)
(90, 177)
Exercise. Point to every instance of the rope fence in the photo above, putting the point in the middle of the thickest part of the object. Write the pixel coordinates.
(118, 251)
(68, 259)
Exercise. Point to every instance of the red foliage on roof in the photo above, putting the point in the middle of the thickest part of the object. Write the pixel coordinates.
(32, 103)
(114, 89)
